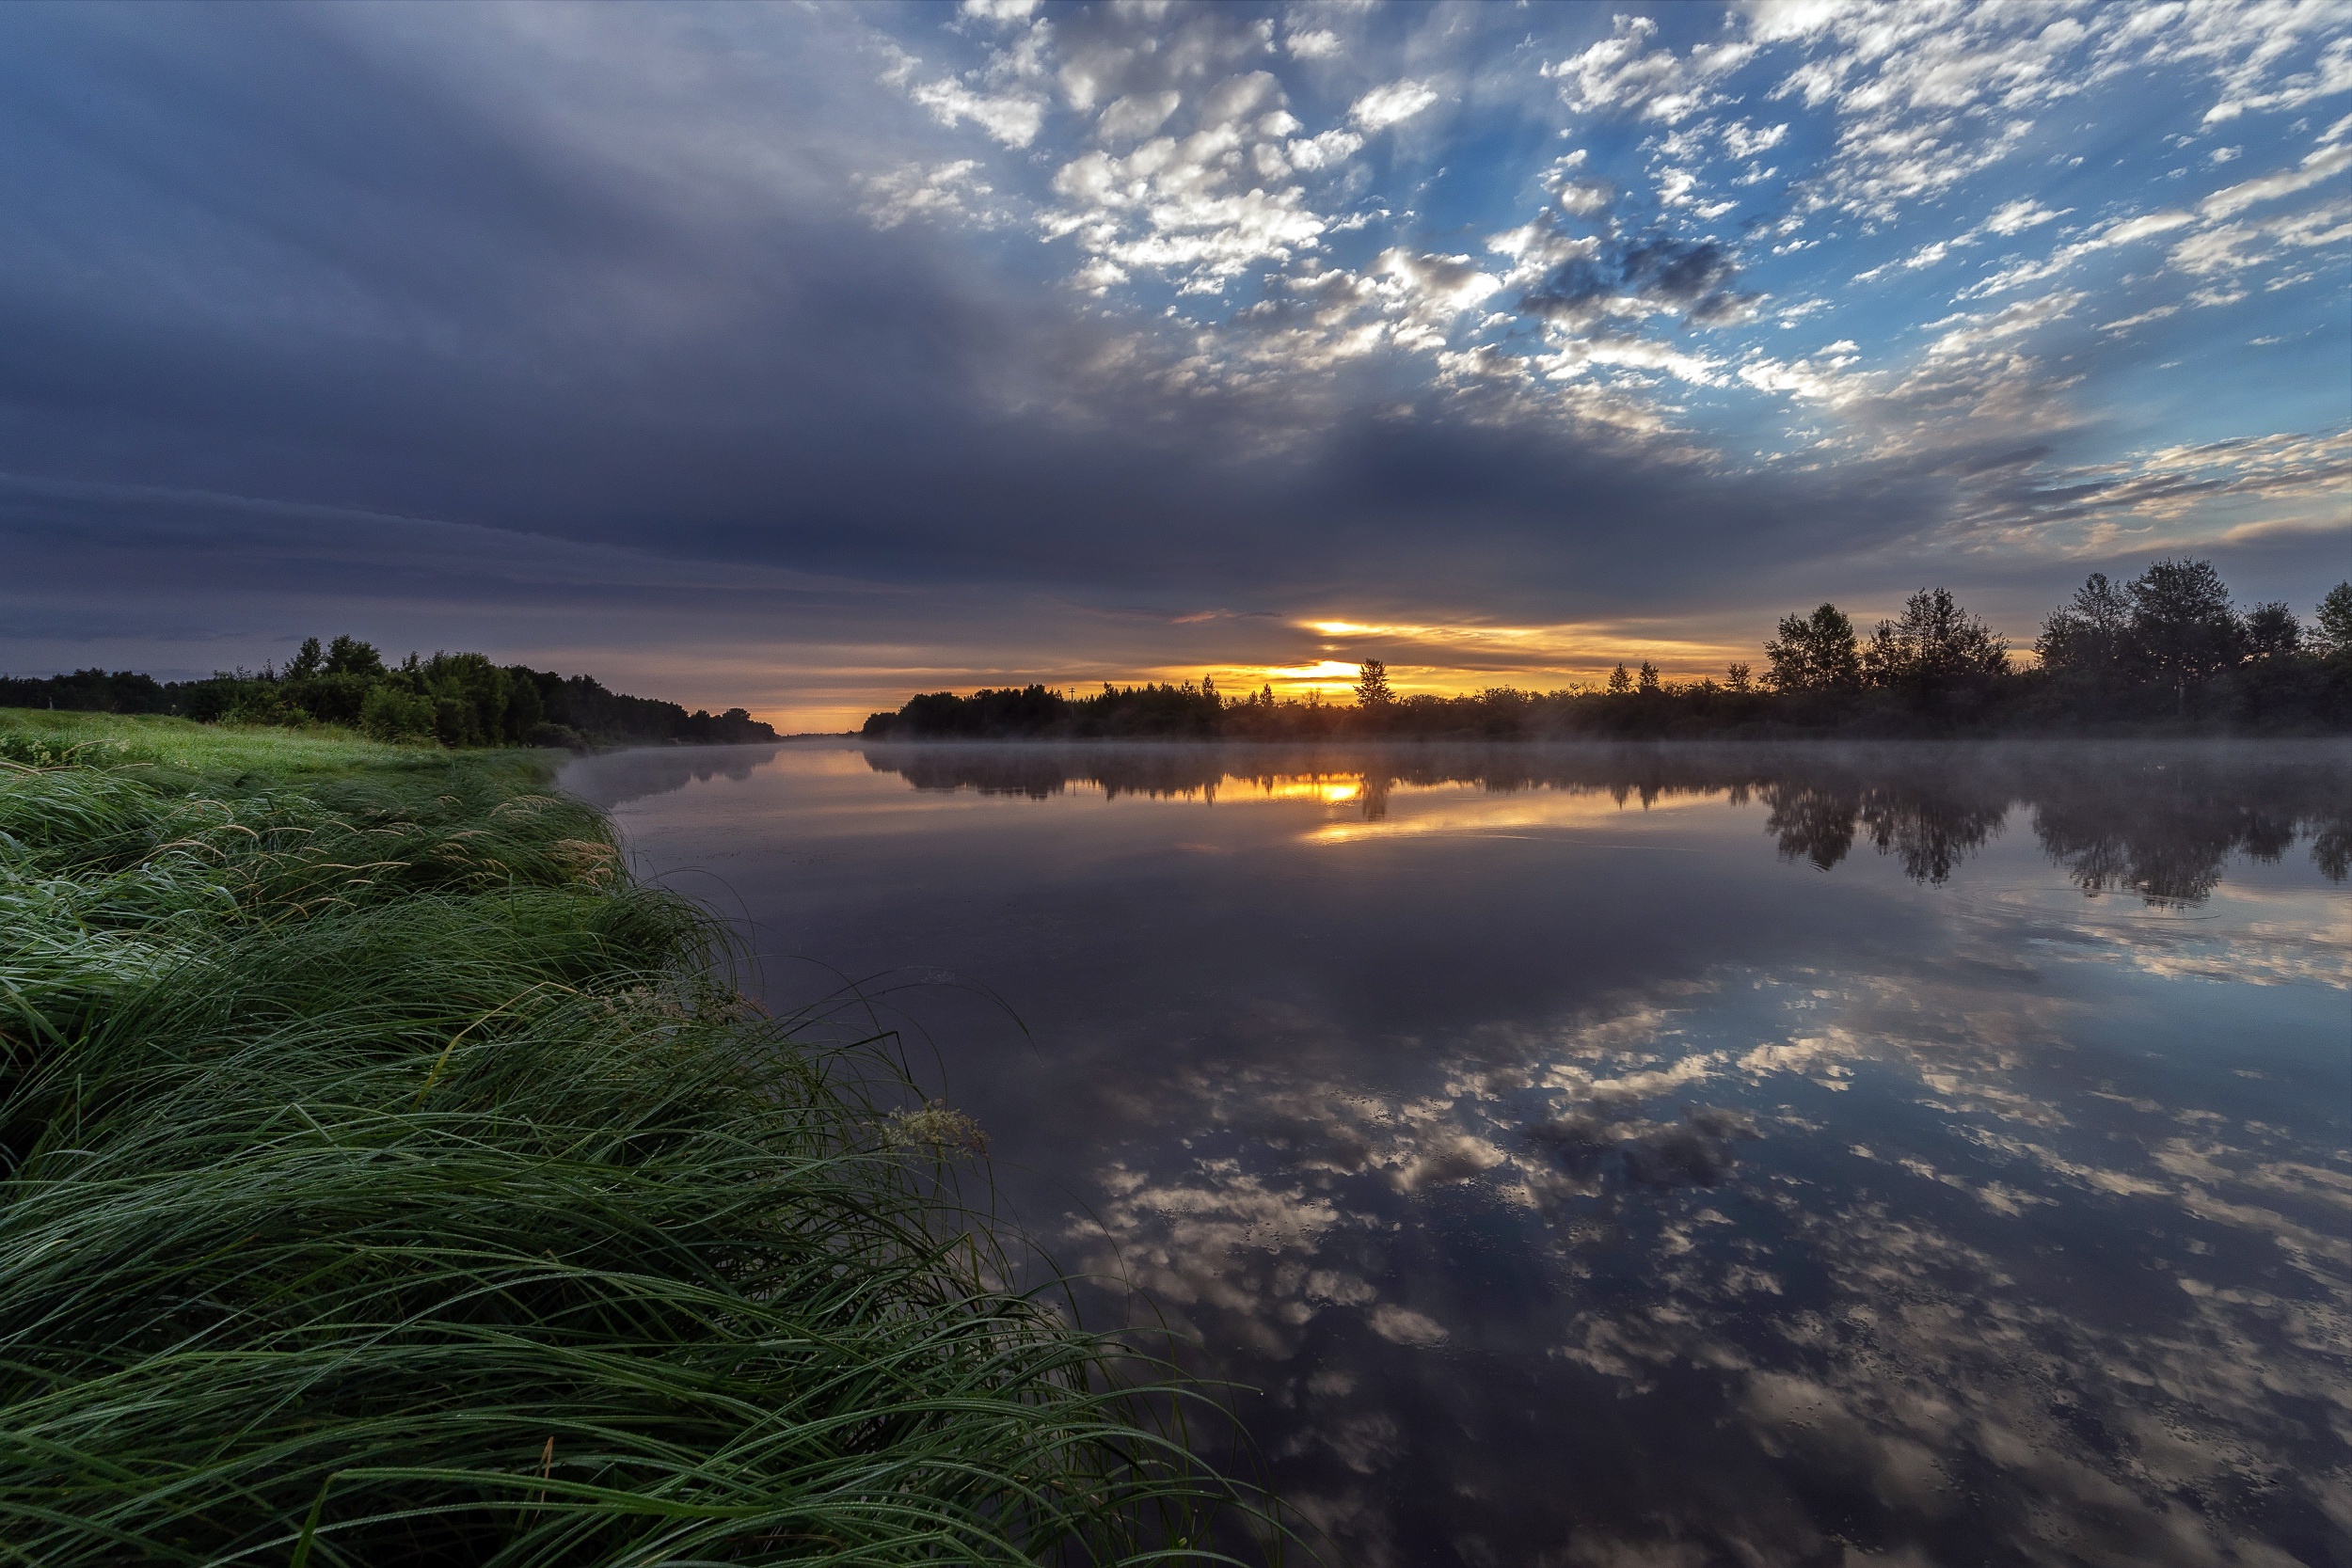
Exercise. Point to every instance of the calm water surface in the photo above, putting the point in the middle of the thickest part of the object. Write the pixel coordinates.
(1651, 1157)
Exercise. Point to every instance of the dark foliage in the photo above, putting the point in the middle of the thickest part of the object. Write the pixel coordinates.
(88, 691)
(459, 700)
(1189, 710)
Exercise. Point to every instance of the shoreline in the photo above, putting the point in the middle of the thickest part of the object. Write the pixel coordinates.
(388, 1174)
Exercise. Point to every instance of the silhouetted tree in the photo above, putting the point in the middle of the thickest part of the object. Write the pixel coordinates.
(2182, 629)
(2272, 632)
(2088, 636)
(1815, 653)
(1620, 683)
(1371, 684)
(1739, 678)
(1647, 679)
(1936, 646)
(348, 655)
(2334, 638)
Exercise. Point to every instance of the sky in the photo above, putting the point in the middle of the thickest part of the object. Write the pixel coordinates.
(807, 356)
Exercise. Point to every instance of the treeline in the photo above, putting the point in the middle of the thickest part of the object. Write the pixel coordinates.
(452, 699)
(2164, 651)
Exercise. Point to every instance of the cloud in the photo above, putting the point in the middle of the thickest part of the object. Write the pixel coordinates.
(1622, 75)
(2231, 247)
(1741, 141)
(1430, 291)
(1324, 150)
(912, 191)
(1639, 276)
(1392, 105)
(1319, 43)
(2016, 217)
(2245, 90)
(1138, 113)
(1012, 119)
(2320, 165)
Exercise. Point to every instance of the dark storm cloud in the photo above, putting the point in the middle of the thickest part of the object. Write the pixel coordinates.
(263, 254)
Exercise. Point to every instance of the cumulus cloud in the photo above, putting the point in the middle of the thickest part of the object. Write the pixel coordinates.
(1322, 150)
(1622, 74)
(1004, 98)
(1317, 43)
(1391, 104)
(1430, 291)
(1138, 113)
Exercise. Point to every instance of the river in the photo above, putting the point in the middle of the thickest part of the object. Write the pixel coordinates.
(1638, 1156)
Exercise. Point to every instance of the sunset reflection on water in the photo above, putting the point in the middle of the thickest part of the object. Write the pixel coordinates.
(1661, 1155)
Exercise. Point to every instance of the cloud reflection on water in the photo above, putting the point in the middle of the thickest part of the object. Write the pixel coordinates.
(1582, 1186)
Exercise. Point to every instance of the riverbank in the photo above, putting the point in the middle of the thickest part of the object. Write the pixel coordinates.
(386, 1176)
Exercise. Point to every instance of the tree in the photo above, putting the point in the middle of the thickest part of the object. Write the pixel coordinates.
(348, 655)
(1647, 679)
(1815, 653)
(1935, 646)
(2182, 629)
(1372, 684)
(306, 663)
(2272, 632)
(1739, 678)
(2088, 634)
(1619, 682)
(2334, 639)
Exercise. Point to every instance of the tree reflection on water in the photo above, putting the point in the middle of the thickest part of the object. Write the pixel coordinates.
(2159, 820)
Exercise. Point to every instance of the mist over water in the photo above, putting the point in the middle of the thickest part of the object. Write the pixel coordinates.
(1667, 1155)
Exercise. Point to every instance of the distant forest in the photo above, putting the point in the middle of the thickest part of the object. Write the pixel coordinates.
(2167, 651)
(454, 699)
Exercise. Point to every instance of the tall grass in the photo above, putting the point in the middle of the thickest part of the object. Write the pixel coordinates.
(385, 1177)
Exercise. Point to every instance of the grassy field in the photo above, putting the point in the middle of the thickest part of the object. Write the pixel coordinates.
(217, 751)
(385, 1177)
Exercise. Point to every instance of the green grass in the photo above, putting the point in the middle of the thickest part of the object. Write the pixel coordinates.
(42, 737)
(385, 1177)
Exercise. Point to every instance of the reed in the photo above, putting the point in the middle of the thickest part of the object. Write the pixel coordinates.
(386, 1177)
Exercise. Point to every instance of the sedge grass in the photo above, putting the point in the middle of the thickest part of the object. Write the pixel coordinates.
(387, 1178)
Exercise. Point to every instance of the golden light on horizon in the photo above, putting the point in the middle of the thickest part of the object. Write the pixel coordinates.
(1316, 656)
(1323, 675)
(1602, 639)
(1446, 660)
